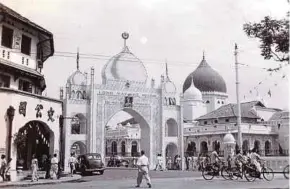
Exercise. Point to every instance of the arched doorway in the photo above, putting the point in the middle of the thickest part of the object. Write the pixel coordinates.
(267, 148)
(171, 151)
(203, 148)
(78, 148)
(245, 146)
(257, 146)
(216, 145)
(134, 149)
(35, 137)
(123, 148)
(79, 124)
(130, 125)
(114, 148)
(171, 128)
(191, 149)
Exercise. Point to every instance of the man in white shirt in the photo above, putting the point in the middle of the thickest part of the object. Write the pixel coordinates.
(143, 169)
(72, 163)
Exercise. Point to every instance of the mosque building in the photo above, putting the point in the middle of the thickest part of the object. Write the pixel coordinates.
(89, 106)
(196, 125)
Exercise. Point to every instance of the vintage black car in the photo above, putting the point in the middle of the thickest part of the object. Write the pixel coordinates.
(89, 163)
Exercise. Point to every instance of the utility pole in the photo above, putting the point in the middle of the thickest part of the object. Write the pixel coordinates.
(239, 142)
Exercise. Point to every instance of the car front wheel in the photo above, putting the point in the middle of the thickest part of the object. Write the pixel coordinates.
(101, 172)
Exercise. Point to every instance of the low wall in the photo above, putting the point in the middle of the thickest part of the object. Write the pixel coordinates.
(277, 163)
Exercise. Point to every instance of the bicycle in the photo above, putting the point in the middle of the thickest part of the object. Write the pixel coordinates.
(211, 170)
(249, 171)
(286, 172)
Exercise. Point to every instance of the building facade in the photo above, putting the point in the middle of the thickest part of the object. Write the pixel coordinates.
(29, 121)
(123, 88)
(124, 139)
(265, 129)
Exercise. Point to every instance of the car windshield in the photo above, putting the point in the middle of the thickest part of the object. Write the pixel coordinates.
(91, 157)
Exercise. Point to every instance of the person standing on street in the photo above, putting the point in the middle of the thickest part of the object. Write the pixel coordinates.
(34, 168)
(143, 169)
(159, 163)
(72, 163)
(3, 167)
(7, 171)
(54, 166)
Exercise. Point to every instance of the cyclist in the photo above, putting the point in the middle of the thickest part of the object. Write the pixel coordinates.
(214, 159)
(239, 160)
(255, 157)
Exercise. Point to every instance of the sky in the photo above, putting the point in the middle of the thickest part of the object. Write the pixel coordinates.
(176, 30)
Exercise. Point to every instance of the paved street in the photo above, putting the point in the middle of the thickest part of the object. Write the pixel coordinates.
(122, 179)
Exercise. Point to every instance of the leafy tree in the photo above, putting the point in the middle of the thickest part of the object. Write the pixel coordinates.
(273, 35)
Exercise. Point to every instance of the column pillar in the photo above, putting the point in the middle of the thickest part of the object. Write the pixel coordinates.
(181, 138)
(11, 153)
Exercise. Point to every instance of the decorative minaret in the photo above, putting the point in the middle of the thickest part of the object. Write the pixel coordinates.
(92, 98)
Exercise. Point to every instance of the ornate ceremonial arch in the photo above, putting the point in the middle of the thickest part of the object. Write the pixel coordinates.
(143, 107)
(124, 88)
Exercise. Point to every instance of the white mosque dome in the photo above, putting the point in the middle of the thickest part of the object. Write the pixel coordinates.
(192, 93)
(77, 78)
(229, 138)
(125, 66)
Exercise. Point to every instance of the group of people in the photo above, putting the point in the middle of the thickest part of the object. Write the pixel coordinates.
(170, 165)
(5, 168)
(51, 166)
(237, 160)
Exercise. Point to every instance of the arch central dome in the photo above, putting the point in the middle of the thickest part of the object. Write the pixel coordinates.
(125, 66)
(205, 79)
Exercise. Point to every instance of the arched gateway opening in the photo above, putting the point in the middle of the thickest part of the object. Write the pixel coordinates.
(171, 151)
(78, 148)
(35, 137)
(129, 126)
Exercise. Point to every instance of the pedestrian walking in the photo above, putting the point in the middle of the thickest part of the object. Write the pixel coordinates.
(169, 163)
(54, 166)
(159, 163)
(3, 167)
(47, 165)
(143, 170)
(34, 168)
(72, 163)
(7, 170)
(187, 160)
(178, 162)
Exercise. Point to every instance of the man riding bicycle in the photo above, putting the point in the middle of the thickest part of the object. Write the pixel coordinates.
(214, 159)
(255, 158)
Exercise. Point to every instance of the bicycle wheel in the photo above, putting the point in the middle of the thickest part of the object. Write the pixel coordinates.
(208, 173)
(250, 174)
(286, 172)
(226, 173)
(236, 173)
(268, 173)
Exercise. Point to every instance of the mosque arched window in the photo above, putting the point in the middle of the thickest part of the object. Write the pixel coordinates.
(207, 102)
(218, 102)
(84, 95)
(79, 95)
(73, 94)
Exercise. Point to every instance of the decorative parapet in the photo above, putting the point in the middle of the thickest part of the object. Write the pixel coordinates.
(222, 128)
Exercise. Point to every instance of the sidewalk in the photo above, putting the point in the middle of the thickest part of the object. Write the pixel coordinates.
(26, 183)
